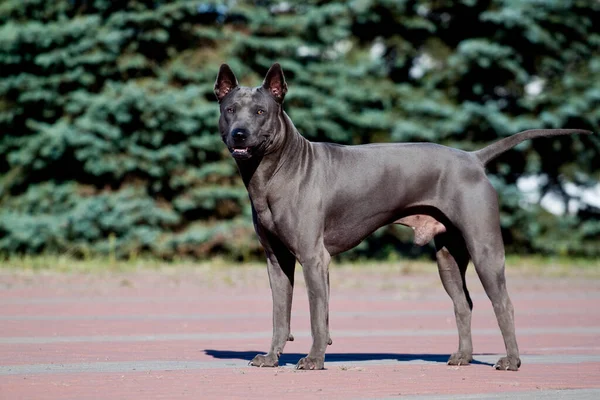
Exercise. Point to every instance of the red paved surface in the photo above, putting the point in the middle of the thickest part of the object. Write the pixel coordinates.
(337, 383)
(173, 334)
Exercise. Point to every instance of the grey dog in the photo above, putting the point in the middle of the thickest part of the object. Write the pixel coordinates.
(311, 201)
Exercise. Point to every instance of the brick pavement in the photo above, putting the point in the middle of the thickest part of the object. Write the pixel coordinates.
(190, 333)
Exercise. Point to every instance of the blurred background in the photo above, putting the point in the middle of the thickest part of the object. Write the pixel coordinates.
(108, 122)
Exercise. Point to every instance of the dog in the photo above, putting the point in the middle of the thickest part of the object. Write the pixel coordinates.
(311, 201)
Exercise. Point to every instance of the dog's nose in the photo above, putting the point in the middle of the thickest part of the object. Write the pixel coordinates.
(239, 135)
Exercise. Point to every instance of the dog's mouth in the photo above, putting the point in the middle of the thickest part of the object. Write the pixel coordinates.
(240, 153)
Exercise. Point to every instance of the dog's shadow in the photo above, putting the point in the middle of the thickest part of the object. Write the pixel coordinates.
(293, 358)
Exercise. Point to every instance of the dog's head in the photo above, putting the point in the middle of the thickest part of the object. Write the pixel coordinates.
(249, 116)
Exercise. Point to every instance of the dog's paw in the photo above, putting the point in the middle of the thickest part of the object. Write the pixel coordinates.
(460, 358)
(310, 363)
(508, 364)
(264, 360)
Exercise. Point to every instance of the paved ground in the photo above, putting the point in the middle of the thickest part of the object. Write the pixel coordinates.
(190, 334)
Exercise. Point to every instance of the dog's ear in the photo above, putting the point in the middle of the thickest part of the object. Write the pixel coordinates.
(226, 82)
(275, 83)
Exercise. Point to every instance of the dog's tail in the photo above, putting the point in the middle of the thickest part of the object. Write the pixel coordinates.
(492, 151)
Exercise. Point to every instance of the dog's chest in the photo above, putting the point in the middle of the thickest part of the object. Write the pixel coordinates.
(263, 212)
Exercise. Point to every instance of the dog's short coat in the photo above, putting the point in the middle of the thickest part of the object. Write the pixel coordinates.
(311, 201)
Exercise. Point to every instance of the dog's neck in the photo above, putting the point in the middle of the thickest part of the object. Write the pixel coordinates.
(257, 171)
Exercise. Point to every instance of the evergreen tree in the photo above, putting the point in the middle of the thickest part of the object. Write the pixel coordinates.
(108, 121)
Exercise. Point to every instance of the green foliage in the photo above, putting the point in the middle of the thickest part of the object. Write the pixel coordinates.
(109, 141)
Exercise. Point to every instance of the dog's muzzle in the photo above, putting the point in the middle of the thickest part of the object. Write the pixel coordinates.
(239, 147)
(241, 153)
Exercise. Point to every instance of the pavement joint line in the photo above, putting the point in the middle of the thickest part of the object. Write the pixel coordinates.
(267, 334)
(169, 365)
(553, 394)
(400, 297)
(333, 314)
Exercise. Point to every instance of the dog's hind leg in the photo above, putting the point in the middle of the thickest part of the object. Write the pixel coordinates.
(452, 259)
(489, 264)
(329, 340)
(280, 265)
(484, 241)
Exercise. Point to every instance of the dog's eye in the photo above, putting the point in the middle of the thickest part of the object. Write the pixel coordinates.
(230, 110)
(260, 111)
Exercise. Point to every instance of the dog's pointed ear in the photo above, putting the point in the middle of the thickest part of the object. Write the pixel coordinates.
(225, 83)
(274, 83)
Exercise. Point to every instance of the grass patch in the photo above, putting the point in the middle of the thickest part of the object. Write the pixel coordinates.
(68, 264)
(554, 266)
(526, 265)
(556, 261)
(534, 265)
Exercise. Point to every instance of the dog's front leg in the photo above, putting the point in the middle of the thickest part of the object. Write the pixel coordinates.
(280, 265)
(316, 276)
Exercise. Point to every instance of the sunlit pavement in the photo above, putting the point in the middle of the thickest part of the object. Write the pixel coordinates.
(190, 334)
